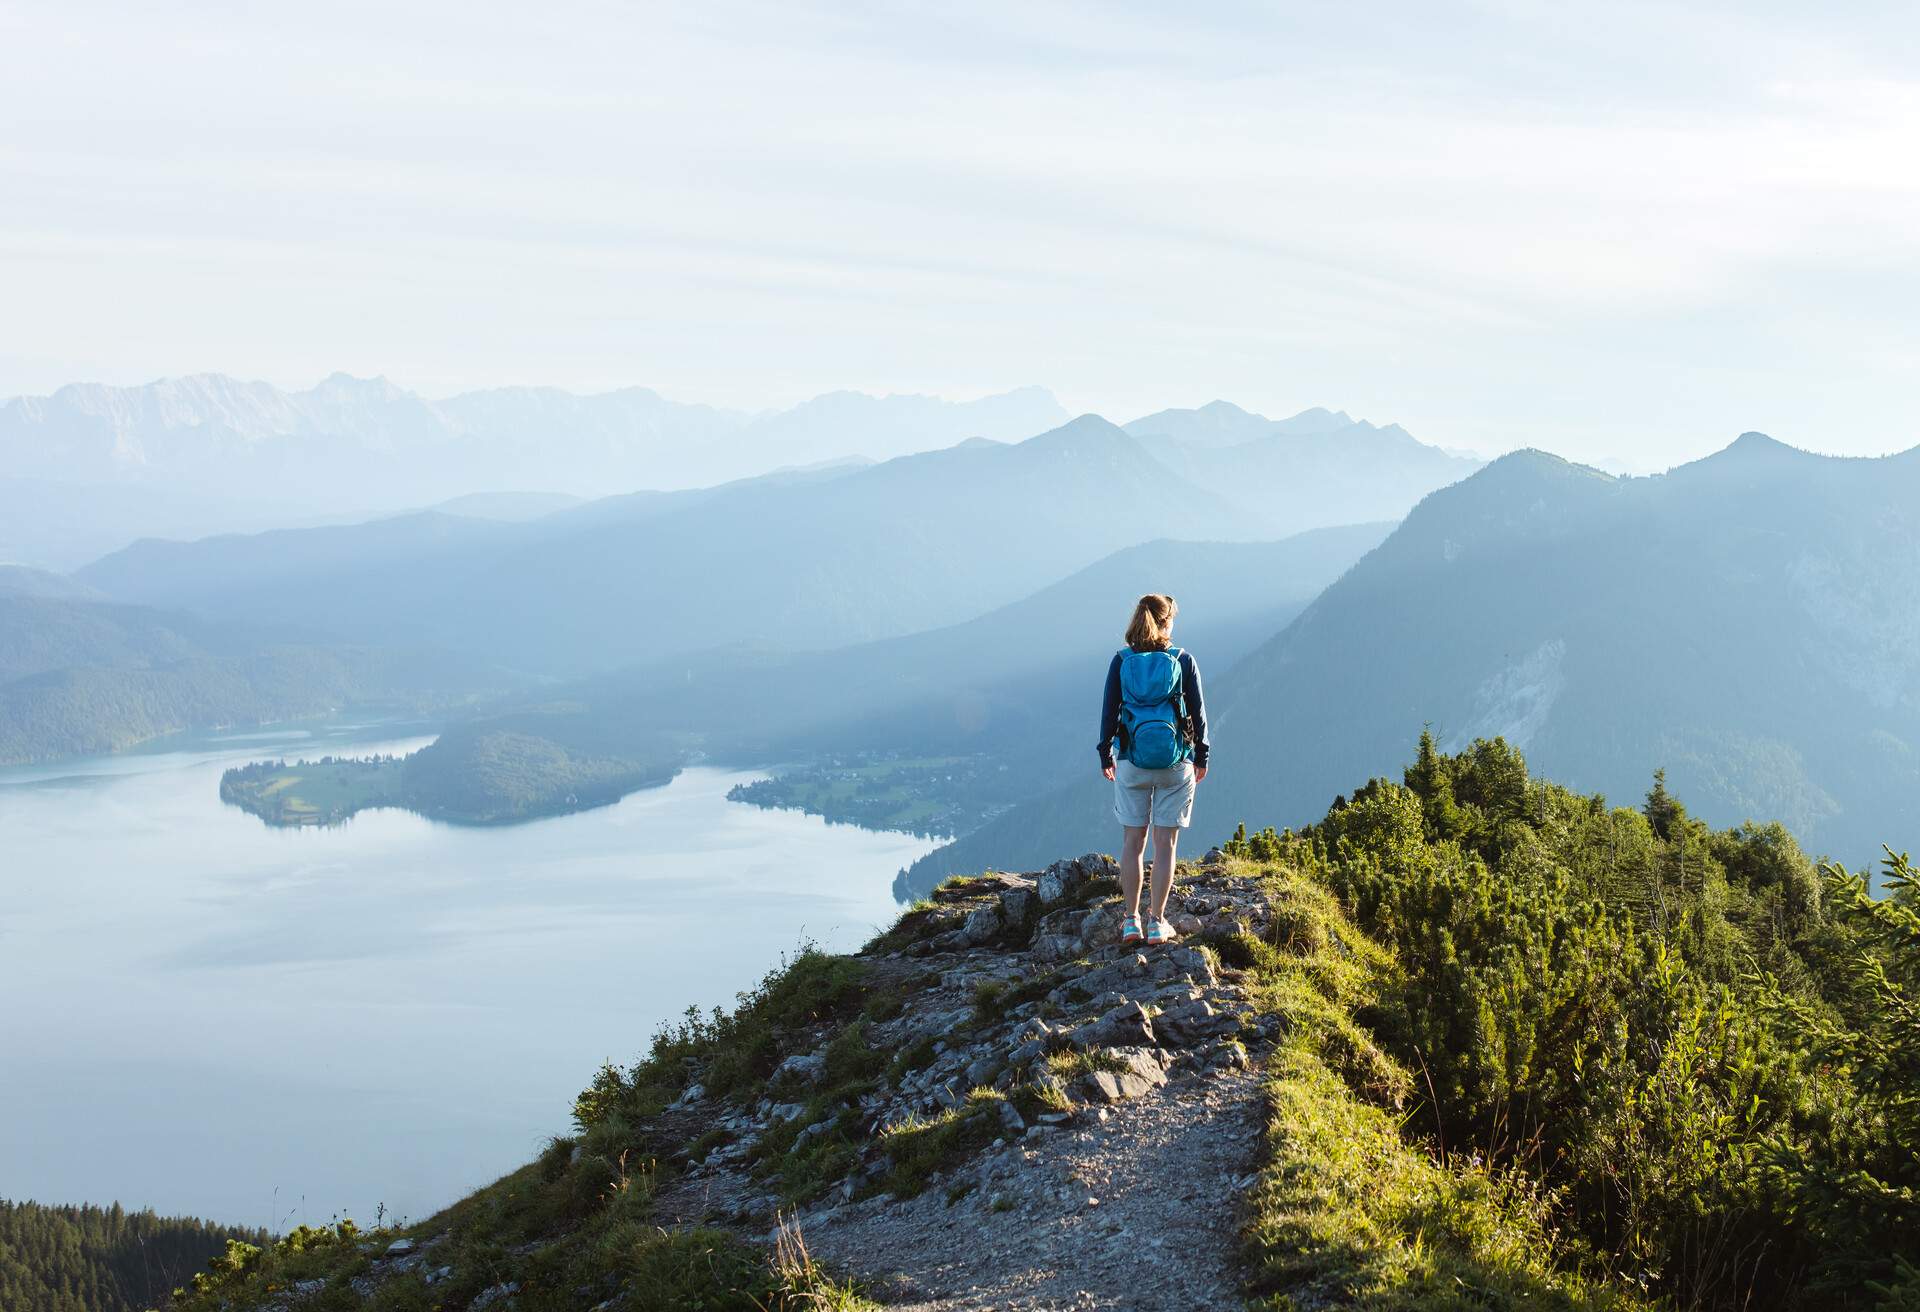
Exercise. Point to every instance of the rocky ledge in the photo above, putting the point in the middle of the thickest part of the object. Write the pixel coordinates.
(1033, 1047)
(995, 1104)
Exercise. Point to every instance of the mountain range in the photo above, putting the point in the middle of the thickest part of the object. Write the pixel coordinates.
(810, 559)
(1318, 468)
(92, 468)
(208, 453)
(1749, 622)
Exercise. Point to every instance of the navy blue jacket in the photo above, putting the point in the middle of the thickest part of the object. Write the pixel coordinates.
(1196, 709)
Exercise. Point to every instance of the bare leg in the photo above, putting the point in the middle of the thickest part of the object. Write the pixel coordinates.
(1132, 843)
(1165, 839)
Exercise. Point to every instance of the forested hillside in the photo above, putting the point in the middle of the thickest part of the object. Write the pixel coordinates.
(81, 676)
(100, 1259)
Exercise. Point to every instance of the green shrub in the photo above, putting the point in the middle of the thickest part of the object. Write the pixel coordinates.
(1661, 1025)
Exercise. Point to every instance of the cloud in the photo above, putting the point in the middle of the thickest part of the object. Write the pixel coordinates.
(1476, 219)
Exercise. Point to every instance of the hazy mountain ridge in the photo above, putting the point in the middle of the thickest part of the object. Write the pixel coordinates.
(81, 676)
(1747, 621)
(817, 557)
(1005, 687)
(838, 557)
(1318, 468)
(91, 467)
(237, 438)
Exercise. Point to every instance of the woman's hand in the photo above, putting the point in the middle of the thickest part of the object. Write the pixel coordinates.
(1199, 773)
(1107, 770)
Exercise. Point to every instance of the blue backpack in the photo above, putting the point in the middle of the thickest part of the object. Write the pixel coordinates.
(1153, 706)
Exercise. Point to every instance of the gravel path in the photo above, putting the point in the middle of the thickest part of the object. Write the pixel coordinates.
(1139, 1211)
(1130, 1199)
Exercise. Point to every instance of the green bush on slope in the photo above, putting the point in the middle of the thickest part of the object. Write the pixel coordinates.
(1663, 1026)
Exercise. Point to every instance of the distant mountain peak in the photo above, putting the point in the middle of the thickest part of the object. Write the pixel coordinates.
(1088, 432)
(1533, 460)
(1752, 453)
(1218, 406)
(1317, 419)
(1756, 444)
(377, 387)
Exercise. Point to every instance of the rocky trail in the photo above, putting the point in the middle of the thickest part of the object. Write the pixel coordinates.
(1120, 1186)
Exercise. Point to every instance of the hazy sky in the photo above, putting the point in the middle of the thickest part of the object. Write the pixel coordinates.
(1620, 229)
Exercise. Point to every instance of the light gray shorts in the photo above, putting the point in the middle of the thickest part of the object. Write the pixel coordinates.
(1158, 797)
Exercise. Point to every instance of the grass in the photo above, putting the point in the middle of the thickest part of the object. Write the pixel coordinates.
(706, 1270)
(309, 792)
(735, 1053)
(1033, 1099)
(923, 919)
(1070, 1065)
(697, 1149)
(910, 1058)
(989, 1000)
(923, 1148)
(1348, 1210)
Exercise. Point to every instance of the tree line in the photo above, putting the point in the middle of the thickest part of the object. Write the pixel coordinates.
(101, 1259)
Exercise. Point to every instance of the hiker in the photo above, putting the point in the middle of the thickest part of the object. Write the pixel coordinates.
(1153, 745)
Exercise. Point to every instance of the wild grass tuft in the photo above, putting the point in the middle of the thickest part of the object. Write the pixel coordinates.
(921, 1148)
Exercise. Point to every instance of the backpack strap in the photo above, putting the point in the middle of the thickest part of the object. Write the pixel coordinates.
(1181, 719)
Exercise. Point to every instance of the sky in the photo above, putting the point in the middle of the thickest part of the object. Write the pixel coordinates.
(1622, 232)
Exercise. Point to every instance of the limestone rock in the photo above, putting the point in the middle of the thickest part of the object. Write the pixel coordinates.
(1052, 948)
(1148, 1064)
(805, 1067)
(1125, 1026)
(493, 1295)
(1101, 927)
(1186, 1023)
(982, 926)
(1018, 905)
(1116, 1086)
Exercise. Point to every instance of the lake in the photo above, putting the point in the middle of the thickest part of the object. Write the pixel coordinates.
(270, 1026)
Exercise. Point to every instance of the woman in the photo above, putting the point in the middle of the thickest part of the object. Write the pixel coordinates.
(1153, 745)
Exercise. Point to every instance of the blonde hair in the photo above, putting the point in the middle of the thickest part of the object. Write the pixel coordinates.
(1151, 628)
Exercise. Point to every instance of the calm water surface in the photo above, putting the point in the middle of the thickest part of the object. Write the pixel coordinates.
(267, 1026)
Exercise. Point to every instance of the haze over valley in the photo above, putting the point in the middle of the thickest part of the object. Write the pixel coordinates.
(944, 603)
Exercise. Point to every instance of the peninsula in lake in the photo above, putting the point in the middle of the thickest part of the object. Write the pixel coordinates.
(474, 777)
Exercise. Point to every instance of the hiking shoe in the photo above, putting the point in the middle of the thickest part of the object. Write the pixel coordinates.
(1159, 932)
(1130, 930)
